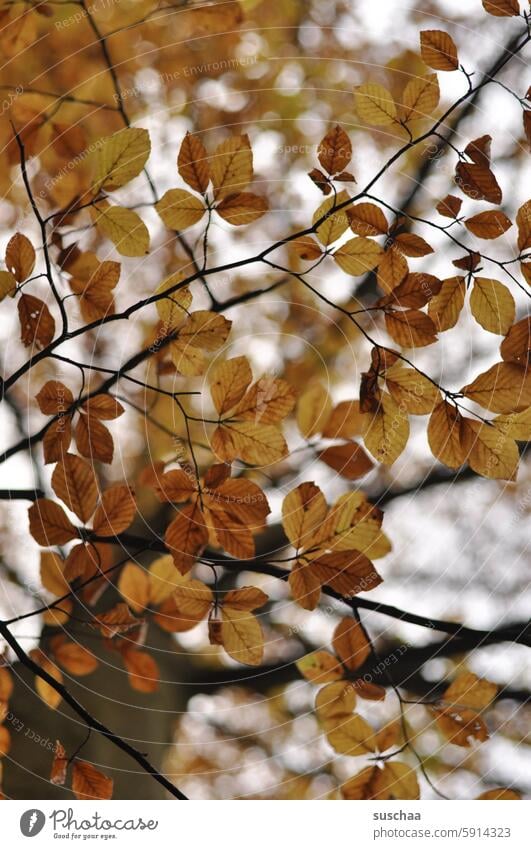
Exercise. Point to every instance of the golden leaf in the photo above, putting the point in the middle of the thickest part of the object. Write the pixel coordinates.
(445, 307)
(75, 658)
(313, 410)
(386, 431)
(335, 700)
(241, 636)
(420, 98)
(52, 573)
(335, 223)
(375, 104)
(467, 690)
(370, 783)
(503, 388)
(121, 157)
(353, 736)
(179, 209)
(358, 256)
(229, 382)
(320, 667)
(134, 586)
(410, 388)
(303, 511)
(400, 780)
(492, 305)
(488, 451)
(123, 227)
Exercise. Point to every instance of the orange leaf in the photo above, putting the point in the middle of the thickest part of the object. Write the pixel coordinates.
(89, 783)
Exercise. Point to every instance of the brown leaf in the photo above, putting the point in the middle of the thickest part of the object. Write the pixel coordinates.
(74, 482)
(93, 439)
(20, 257)
(348, 459)
(37, 325)
(449, 206)
(438, 50)
(115, 512)
(488, 225)
(49, 524)
(335, 150)
(192, 163)
(89, 783)
(350, 643)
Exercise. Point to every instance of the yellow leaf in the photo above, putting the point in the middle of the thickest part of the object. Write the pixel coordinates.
(410, 388)
(8, 285)
(401, 780)
(492, 305)
(123, 227)
(245, 598)
(353, 736)
(313, 410)
(192, 163)
(386, 431)
(502, 794)
(467, 690)
(46, 691)
(52, 574)
(334, 700)
(358, 256)
(515, 425)
(179, 209)
(438, 50)
(134, 586)
(335, 223)
(256, 444)
(488, 451)
(320, 667)
(173, 309)
(229, 382)
(303, 510)
(242, 636)
(121, 157)
(267, 401)
(20, 257)
(375, 104)
(74, 482)
(392, 269)
(163, 578)
(420, 98)
(231, 166)
(503, 388)
(444, 308)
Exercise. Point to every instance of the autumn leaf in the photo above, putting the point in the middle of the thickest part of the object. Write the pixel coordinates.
(37, 324)
(123, 227)
(134, 586)
(121, 157)
(115, 512)
(438, 50)
(492, 305)
(20, 257)
(335, 150)
(180, 209)
(74, 482)
(375, 104)
(350, 643)
(192, 163)
(49, 524)
(89, 783)
(231, 166)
